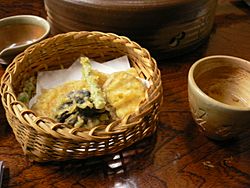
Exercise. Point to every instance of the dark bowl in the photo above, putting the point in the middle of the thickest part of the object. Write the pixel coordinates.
(165, 27)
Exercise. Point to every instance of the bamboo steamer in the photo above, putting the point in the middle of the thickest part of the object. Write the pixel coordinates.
(165, 27)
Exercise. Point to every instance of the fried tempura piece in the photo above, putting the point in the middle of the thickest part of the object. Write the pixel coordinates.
(124, 92)
(101, 77)
(50, 99)
(91, 80)
(132, 71)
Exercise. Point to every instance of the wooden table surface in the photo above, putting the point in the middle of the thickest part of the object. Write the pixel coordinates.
(178, 155)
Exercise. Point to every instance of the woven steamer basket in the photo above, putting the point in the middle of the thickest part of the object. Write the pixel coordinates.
(41, 138)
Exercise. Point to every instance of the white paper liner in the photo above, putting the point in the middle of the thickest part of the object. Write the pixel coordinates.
(52, 79)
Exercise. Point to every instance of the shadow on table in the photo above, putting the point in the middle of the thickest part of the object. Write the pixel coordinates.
(5, 129)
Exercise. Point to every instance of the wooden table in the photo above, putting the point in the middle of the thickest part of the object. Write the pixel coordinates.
(178, 155)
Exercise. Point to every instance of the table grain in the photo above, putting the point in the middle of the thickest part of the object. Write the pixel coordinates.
(177, 155)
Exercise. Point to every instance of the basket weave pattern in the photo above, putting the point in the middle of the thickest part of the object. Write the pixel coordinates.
(43, 139)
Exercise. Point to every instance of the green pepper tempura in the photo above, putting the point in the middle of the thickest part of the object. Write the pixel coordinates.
(28, 89)
(96, 92)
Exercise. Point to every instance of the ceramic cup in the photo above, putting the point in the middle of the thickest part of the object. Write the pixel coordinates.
(19, 32)
(219, 95)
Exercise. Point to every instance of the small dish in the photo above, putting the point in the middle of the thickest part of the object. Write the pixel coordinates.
(19, 32)
(218, 92)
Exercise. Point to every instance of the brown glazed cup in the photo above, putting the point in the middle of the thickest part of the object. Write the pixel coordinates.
(219, 95)
(17, 35)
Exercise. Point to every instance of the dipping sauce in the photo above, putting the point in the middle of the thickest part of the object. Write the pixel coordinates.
(18, 34)
(229, 85)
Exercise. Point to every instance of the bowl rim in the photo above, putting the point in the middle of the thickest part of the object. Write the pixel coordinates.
(45, 24)
(128, 4)
(192, 82)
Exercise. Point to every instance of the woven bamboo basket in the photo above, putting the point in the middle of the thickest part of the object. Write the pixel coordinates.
(43, 139)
